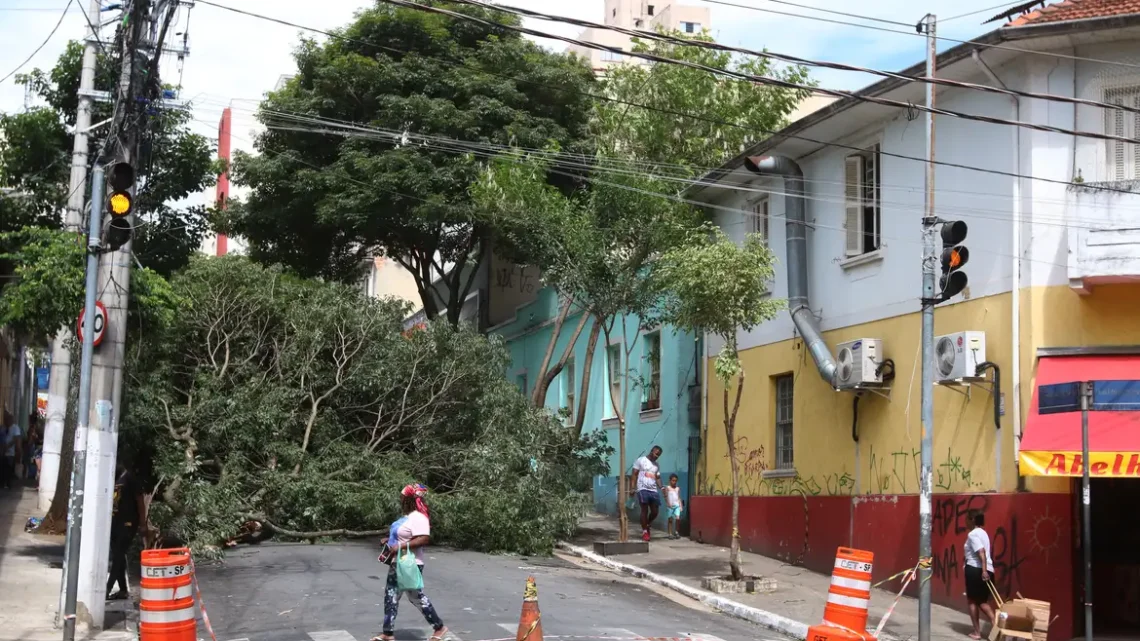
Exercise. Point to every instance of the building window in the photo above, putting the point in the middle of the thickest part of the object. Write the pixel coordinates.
(613, 380)
(760, 218)
(691, 27)
(784, 451)
(520, 380)
(611, 56)
(569, 388)
(651, 355)
(863, 216)
(649, 9)
(1123, 157)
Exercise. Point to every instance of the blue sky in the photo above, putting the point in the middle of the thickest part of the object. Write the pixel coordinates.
(234, 59)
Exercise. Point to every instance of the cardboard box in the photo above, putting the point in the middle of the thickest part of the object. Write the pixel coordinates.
(1015, 619)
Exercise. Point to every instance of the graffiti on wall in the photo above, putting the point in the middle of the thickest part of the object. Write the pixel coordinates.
(897, 472)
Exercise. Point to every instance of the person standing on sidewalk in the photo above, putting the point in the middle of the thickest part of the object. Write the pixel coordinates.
(673, 506)
(978, 572)
(646, 482)
(11, 449)
(128, 511)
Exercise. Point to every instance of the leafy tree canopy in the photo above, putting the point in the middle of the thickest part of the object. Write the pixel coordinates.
(354, 164)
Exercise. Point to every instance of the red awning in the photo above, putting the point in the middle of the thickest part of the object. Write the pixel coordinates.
(1051, 443)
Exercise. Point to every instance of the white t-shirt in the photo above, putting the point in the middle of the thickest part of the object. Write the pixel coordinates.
(672, 496)
(977, 540)
(647, 477)
(408, 528)
(11, 435)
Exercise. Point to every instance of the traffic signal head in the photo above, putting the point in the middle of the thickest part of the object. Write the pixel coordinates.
(955, 255)
(117, 234)
(120, 180)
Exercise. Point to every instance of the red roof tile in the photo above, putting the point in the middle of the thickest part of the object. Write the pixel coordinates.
(1067, 10)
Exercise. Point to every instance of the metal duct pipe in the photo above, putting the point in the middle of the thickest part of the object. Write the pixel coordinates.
(795, 212)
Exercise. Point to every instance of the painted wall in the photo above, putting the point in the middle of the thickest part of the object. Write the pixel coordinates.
(527, 337)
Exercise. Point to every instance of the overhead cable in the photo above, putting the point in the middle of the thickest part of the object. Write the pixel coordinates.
(20, 66)
(764, 80)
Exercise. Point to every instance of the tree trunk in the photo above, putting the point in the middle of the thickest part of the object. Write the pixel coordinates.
(623, 484)
(730, 434)
(555, 332)
(587, 367)
(55, 521)
(547, 378)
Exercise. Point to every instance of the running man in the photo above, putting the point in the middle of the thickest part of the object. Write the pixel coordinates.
(647, 485)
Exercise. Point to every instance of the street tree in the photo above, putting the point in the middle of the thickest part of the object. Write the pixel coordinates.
(715, 287)
(656, 128)
(371, 148)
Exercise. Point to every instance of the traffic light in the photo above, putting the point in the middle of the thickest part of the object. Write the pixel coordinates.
(955, 255)
(120, 203)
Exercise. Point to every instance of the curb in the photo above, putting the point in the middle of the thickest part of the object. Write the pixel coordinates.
(769, 620)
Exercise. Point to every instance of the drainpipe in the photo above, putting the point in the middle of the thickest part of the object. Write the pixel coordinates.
(796, 226)
(1015, 295)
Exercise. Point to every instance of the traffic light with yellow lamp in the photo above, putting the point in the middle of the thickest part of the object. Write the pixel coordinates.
(955, 255)
(120, 204)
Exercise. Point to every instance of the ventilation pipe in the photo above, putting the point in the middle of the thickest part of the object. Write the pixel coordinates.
(795, 213)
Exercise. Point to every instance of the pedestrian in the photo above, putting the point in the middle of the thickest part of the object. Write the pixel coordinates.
(411, 531)
(127, 513)
(978, 572)
(673, 506)
(32, 449)
(12, 448)
(646, 484)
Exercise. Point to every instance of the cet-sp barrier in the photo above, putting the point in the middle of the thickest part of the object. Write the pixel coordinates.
(167, 609)
(848, 598)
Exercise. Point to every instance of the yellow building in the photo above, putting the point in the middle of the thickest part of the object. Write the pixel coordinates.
(1053, 295)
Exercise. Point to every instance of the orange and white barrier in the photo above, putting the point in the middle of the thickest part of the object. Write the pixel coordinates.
(845, 616)
(166, 610)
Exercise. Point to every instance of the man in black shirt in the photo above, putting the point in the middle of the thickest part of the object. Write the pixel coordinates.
(128, 513)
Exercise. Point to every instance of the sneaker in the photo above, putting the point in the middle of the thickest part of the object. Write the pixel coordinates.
(645, 536)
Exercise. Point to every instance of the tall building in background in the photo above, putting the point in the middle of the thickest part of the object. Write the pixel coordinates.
(638, 14)
(221, 244)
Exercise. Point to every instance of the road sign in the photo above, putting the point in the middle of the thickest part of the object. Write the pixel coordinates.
(1059, 398)
(100, 323)
(1107, 396)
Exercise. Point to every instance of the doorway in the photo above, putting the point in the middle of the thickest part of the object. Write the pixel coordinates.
(1116, 557)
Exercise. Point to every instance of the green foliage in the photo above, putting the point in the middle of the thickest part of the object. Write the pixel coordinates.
(305, 404)
(321, 202)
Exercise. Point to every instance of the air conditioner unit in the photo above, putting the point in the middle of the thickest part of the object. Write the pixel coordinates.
(859, 362)
(958, 355)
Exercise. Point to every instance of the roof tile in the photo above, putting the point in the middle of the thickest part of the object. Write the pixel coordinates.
(1067, 10)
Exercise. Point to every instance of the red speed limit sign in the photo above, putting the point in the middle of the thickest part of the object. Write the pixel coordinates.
(100, 323)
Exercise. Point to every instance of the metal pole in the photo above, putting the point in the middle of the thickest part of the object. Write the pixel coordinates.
(79, 468)
(928, 260)
(1086, 535)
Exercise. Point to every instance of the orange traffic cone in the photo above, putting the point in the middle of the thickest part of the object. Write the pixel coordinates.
(530, 622)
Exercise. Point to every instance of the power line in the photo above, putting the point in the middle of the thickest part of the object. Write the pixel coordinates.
(685, 42)
(764, 80)
(820, 9)
(682, 114)
(913, 33)
(974, 13)
(42, 44)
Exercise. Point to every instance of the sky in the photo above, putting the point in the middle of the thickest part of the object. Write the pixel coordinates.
(235, 59)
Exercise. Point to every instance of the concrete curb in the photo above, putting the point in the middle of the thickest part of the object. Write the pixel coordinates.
(769, 620)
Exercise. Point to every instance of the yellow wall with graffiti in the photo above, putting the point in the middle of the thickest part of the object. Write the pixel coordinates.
(886, 458)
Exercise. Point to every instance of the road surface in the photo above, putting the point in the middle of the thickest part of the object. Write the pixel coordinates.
(300, 592)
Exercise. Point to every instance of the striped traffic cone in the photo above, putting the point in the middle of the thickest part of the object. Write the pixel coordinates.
(530, 622)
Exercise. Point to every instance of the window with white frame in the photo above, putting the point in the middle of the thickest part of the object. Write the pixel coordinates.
(611, 56)
(651, 371)
(691, 27)
(760, 218)
(568, 390)
(613, 380)
(862, 180)
(1123, 158)
(784, 446)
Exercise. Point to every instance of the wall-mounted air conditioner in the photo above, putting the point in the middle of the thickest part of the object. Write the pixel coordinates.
(859, 362)
(957, 355)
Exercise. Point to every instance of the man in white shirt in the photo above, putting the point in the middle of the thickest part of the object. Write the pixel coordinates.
(11, 449)
(978, 572)
(645, 483)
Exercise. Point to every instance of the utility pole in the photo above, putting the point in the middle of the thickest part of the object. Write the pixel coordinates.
(925, 479)
(113, 284)
(59, 382)
(75, 504)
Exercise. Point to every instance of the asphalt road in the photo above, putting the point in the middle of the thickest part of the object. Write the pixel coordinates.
(335, 593)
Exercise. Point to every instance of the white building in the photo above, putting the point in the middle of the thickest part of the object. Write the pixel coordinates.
(638, 14)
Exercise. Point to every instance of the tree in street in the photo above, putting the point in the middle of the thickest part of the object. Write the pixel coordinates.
(351, 166)
(601, 246)
(714, 286)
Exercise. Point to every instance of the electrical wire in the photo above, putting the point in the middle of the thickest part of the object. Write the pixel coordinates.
(763, 80)
(974, 13)
(823, 64)
(20, 66)
(914, 33)
(770, 132)
(94, 33)
(822, 10)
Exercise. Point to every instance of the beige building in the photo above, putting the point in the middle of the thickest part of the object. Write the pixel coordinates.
(387, 278)
(638, 14)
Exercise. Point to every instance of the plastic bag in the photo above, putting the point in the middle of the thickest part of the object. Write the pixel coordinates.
(408, 575)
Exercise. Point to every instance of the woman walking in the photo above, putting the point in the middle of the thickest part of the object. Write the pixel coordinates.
(410, 532)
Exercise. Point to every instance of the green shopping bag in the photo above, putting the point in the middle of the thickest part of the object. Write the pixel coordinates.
(408, 575)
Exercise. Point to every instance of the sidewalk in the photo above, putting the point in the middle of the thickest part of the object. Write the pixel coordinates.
(31, 568)
(800, 594)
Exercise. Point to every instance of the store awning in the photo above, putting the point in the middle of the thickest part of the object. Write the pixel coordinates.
(1051, 443)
